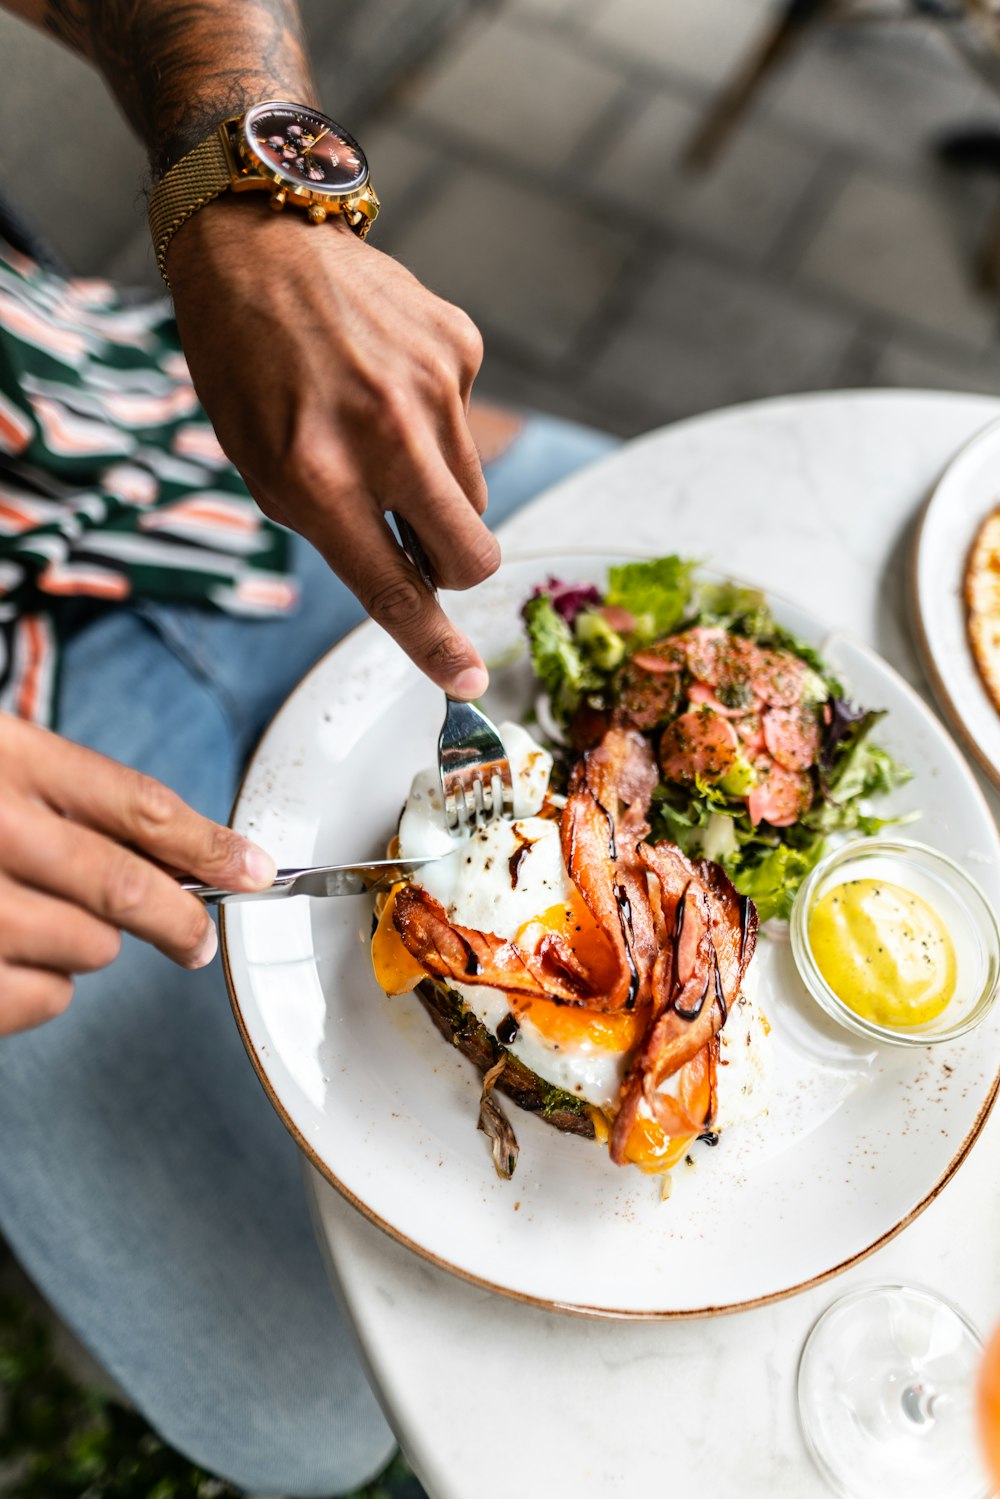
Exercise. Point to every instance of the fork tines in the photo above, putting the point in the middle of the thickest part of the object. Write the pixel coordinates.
(476, 781)
(476, 797)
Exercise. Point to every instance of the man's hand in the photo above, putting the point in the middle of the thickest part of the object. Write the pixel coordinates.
(82, 842)
(339, 386)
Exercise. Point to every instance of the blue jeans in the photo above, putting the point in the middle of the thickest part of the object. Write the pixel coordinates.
(145, 1183)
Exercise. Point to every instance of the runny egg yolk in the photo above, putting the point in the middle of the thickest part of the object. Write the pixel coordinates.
(396, 970)
(652, 1149)
(884, 952)
(561, 1025)
(566, 1025)
(657, 1144)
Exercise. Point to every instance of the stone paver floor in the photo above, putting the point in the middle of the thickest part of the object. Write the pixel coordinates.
(533, 175)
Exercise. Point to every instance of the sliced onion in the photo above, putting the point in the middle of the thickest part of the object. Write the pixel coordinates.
(494, 1123)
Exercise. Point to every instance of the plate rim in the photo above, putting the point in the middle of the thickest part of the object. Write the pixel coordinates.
(928, 662)
(597, 1313)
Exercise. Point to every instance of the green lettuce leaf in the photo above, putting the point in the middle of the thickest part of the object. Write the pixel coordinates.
(655, 593)
(861, 768)
(773, 879)
(734, 608)
(557, 660)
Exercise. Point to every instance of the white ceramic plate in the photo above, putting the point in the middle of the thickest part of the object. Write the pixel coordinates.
(967, 492)
(858, 1139)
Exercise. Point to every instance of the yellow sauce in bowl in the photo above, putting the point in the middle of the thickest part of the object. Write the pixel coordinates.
(884, 952)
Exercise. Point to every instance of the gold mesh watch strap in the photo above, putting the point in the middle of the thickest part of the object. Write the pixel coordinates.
(192, 182)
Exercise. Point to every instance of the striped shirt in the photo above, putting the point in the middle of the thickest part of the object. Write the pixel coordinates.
(113, 486)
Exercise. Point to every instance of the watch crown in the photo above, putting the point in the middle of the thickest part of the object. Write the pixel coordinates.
(278, 199)
(317, 213)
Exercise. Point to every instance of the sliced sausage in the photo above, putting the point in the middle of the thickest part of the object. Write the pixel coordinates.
(699, 743)
(792, 736)
(780, 678)
(780, 796)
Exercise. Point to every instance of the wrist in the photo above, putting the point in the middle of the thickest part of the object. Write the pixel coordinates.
(203, 115)
(305, 162)
(229, 233)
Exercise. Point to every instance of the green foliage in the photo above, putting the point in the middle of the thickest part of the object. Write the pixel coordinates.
(772, 879)
(556, 657)
(602, 646)
(744, 610)
(862, 768)
(61, 1442)
(655, 593)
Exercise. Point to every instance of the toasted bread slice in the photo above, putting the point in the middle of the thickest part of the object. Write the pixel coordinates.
(982, 600)
(530, 1092)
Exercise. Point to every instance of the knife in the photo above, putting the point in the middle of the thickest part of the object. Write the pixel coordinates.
(325, 879)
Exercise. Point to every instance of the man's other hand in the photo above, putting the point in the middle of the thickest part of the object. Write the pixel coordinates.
(340, 386)
(85, 846)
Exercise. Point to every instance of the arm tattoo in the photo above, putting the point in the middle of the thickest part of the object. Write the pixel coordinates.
(178, 67)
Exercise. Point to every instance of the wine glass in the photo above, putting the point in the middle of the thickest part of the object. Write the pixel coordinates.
(888, 1399)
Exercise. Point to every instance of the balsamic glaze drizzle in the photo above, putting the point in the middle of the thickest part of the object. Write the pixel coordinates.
(744, 923)
(679, 915)
(696, 1010)
(513, 864)
(611, 830)
(628, 936)
(720, 996)
(507, 1030)
(472, 964)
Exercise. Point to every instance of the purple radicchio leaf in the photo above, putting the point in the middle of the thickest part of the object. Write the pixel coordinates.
(842, 721)
(568, 599)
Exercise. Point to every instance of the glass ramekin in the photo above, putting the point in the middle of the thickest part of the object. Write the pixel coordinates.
(951, 892)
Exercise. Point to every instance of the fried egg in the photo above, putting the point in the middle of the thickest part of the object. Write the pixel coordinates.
(509, 878)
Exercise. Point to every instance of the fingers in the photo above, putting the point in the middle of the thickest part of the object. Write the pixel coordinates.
(42, 931)
(366, 557)
(462, 456)
(113, 884)
(137, 810)
(462, 551)
(31, 996)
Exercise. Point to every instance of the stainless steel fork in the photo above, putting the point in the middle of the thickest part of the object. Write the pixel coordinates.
(476, 782)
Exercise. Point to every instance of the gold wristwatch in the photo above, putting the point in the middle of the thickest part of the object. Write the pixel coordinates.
(288, 150)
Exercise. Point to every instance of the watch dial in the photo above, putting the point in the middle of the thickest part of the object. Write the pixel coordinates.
(305, 148)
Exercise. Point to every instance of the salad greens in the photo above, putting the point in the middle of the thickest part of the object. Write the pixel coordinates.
(581, 644)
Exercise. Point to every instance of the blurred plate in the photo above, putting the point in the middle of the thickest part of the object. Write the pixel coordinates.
(858, 1138)
(966, 494)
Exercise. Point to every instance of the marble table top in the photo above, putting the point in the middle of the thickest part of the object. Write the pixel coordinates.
(815, 498)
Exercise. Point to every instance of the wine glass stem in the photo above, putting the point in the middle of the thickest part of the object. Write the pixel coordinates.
(920, 1403)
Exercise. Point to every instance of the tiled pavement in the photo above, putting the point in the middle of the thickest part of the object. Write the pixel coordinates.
(530, 169)
(534, 176)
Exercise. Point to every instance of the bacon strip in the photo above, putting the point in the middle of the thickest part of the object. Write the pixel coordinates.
(602, 825)
(696, 978)
(466, 956)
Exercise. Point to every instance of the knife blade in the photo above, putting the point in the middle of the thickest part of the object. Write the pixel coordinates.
(319, 881)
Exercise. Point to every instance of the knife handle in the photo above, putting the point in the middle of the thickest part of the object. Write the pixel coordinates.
(213, 896)
(414, 549)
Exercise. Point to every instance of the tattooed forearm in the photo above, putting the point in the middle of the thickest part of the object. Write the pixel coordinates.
(178, 67)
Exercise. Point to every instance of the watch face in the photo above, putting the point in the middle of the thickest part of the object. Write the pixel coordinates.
(305, 149)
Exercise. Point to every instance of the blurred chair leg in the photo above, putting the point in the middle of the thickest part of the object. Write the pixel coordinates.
(977, 149)
(731, 104)
(988, 262)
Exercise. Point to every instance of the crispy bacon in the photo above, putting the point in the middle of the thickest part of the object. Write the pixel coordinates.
(466, 956)
(602, 826)
(684, 952)
(696, 978)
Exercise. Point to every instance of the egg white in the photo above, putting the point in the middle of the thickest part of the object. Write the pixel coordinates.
(474, 885)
